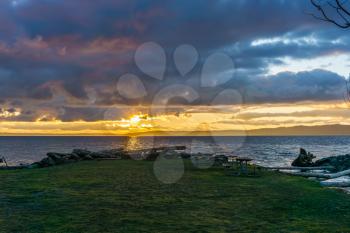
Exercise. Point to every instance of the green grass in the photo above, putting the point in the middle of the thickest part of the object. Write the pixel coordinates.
(124, 196)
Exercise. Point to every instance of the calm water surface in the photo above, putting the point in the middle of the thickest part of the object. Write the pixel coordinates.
(265, 150)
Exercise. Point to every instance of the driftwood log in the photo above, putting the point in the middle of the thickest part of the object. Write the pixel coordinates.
(327, 183)
(300, 168)
(321, 175)
(153, 153)
(13, 167)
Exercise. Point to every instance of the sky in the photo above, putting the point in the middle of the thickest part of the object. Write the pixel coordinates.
(121, 67)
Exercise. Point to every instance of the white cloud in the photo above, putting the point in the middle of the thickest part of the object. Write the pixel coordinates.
(337, 63)
(309, 40)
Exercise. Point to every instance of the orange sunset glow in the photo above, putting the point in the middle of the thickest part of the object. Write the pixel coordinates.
(198, 120)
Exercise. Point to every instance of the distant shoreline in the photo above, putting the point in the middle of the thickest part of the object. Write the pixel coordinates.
(325, 130)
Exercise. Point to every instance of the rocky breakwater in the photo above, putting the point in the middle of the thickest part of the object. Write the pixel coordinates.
(54, 158)
(337, 173)
(338, 163)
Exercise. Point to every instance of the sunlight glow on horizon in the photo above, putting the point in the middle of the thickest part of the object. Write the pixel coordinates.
(250, 117)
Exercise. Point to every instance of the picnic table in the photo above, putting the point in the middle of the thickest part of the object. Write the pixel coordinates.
(243, 164)
(240, 164)
(231, 159)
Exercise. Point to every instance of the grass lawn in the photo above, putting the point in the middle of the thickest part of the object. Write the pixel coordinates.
(125, 196)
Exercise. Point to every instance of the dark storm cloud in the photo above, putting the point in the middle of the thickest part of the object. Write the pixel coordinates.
(76, 50)
(314, 85)
(86, 114)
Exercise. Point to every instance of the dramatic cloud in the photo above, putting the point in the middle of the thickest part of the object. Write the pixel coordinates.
(62, 60)
(287, 87)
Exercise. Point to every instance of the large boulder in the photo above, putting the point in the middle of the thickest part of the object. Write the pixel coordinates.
(59, 158)
(46, 162)
(113, 153)
(74, 157)
(151, 155)
(304, 159)
(97, 155)
(88, 157)
(170, 154)
(185, 155)
(81, 152)
(54, 155)
(340, 163)
(172, 151)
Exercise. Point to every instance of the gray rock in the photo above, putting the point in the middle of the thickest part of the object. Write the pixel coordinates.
(114, 153)
(60, 158)
(74, 157)
(340, 163)
(47, 162)
(96, 155)
(152, 155)
(88, 157)
(105, 154)
(185, 155)
(81, 152)
(171, 148)
(304, 159)
(118, 153)
(56, 155)
(170, 154)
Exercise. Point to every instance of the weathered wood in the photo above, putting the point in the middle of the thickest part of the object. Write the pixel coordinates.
(100, 159)
(321, 175)
(171, 148)
(244, 159)
(344, 183)
(156, 149)
(299, 168)
(13, 167)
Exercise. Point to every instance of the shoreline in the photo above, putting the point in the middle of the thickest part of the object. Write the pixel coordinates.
(266, 151)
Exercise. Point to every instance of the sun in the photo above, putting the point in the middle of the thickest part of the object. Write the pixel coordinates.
(135, 120)
(134, 123)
